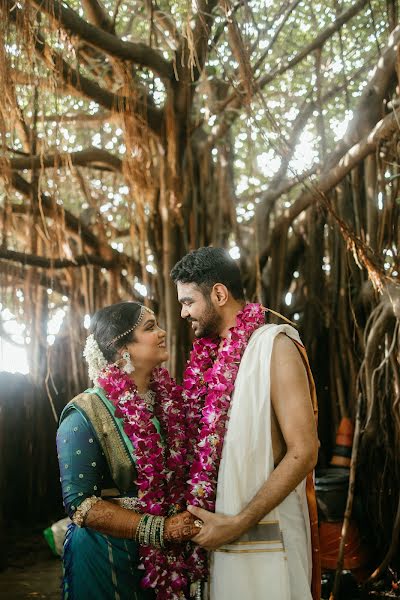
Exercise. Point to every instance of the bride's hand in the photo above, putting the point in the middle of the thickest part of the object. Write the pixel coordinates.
(180, 528)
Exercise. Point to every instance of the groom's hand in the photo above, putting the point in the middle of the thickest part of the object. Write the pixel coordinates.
(217, 529)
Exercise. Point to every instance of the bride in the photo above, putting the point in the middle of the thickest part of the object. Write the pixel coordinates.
(122, 457)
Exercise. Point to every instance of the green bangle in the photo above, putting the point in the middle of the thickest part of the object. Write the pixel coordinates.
(144, 529)
(140, 528)
(158, 537)
(150, 531)
(153, 530)
(147, 530)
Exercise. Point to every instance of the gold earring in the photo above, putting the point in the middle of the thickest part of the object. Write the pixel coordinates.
(128, 366)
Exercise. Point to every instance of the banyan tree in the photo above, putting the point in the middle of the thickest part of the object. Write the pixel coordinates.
(132, 131)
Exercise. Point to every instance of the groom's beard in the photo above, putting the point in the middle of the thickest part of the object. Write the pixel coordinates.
(208, 325)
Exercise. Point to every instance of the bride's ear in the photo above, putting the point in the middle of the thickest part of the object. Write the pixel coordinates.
(120, 358)
(121, 351)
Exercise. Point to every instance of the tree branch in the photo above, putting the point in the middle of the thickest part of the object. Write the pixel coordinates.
(58, 263)
(223, 128)
(72, 223)
(86, 87)
(221, 26)
(196, 50)
(95, 158)
(272, 194)
(164, 21)
(369, 107)
(239, 50)
(329, 179)
(235, 100)
(296, 128)
(105, 252)
(275, 36)
(20, 273)
(318, 42)
(97, 15)
(80, 117)
(138, 53)
(21, 78)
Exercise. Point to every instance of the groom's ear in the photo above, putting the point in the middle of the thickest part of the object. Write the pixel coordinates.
(220, 294)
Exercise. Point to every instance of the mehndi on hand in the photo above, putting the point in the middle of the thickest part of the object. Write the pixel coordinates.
(180, 528)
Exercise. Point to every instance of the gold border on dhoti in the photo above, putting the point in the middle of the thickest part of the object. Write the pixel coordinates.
(250, 550)
(265, 533)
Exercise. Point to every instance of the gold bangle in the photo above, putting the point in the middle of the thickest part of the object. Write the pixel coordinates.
(81, 512)
(139, 528)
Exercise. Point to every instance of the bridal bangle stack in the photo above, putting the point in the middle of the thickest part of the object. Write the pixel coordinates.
(150, 531)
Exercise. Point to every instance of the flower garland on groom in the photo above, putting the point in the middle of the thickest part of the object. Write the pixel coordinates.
(208, 383)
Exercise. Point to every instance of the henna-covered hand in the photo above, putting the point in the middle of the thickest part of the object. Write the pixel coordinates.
(180, 528)
(111, 519)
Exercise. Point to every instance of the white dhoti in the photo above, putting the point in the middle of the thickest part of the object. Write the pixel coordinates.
(273, 560)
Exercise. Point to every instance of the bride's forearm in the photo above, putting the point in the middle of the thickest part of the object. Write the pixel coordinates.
(111, 519)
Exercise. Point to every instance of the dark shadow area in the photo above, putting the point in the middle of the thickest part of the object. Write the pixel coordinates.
(32, 570)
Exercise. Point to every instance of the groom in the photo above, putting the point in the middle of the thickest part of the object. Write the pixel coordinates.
(249, 396)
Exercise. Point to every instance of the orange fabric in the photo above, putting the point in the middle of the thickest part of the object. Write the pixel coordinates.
(344, 438)
(311, 497)
(316, 555)
(340, 461)
(345, 432)
(355, 555)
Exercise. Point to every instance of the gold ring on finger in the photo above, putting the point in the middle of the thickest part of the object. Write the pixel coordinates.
(199, 524)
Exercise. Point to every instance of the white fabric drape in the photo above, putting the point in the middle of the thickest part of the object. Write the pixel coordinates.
(265, 569)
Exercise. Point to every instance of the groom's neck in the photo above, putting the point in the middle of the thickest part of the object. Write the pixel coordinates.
(231, 309)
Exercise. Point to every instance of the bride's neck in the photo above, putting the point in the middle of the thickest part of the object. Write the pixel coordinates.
(142, 380)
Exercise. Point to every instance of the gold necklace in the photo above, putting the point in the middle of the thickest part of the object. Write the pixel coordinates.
(149, 399)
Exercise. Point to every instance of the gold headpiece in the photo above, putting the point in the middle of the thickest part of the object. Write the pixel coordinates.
(143, 309)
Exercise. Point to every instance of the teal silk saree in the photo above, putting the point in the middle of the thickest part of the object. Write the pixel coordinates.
(96, 459)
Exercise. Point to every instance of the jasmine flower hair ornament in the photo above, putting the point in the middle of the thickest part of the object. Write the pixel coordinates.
(94, 358)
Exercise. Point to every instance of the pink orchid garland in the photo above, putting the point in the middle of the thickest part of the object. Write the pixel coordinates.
(208, 384)
(161, 468)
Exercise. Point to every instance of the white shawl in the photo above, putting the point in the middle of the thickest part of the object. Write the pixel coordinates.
(256, 566)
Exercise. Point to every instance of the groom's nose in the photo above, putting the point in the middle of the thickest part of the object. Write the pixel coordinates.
(184, 312)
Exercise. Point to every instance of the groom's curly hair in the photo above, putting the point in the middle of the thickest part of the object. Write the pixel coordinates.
(207, 266)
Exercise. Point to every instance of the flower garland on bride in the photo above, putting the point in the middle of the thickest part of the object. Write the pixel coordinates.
(160, 465)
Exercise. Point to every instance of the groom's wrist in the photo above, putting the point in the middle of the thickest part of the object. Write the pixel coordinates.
(240, 524)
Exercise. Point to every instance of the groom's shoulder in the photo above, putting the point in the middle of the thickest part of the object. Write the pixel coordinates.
(281, 336)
